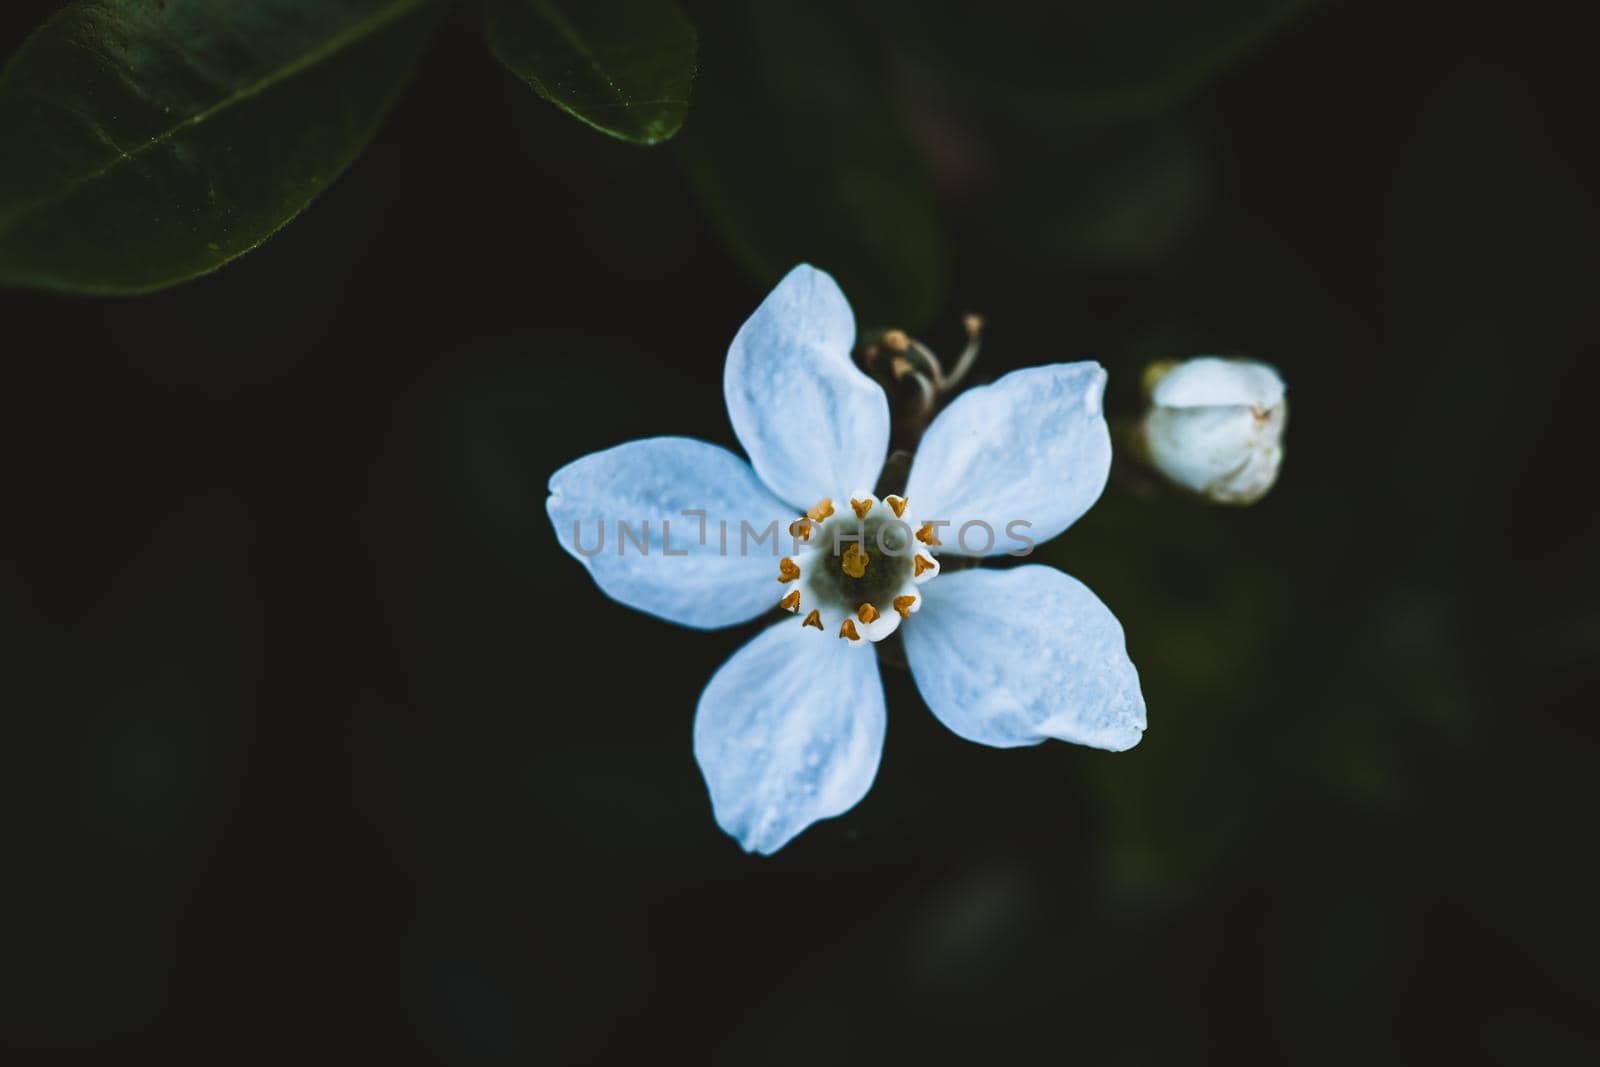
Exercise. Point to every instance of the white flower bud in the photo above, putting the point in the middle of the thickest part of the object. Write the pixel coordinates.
(1215, 426)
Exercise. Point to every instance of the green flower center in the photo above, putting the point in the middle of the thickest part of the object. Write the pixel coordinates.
(859, 562)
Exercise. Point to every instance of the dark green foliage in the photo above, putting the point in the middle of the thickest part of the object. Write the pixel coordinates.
(622, 66)
(799, 155)
(150, 141)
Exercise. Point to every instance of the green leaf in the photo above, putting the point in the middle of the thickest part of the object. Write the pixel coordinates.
(797, 154)
(622, 66)
(1061, 64)
(145, 142)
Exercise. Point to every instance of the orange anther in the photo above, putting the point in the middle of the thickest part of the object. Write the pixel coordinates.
(814, 619)
(867, 613)
(788, 570)
(897, 504)
(848, 630)
(903, 605)
(791, 601)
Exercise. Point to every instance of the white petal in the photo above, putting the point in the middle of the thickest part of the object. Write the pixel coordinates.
(789, 731)
(813, 425)
(1031, 449)
(1012, 657)
(648, 485)
(1228, 454)
(1210, 380)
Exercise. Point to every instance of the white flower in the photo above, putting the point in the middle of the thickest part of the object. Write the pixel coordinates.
(1215, 427)
(790, 728)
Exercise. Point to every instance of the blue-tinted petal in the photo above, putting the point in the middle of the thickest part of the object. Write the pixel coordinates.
(647, 485)
(789, 731)
(1012, 657)
(813, 425)
(1031, 449)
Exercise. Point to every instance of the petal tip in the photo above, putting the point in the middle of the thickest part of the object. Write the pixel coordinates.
(806, 270)
(1126, 741)
(759, 840)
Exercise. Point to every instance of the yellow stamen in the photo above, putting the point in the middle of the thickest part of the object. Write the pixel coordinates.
(802, 528)
(791, 602)
(849, 630)
(867, 613)
(896, 341)
(903, 604)
(854, 561)
(927, 535)
(898, 504)
(861, 507)
(789, 570)
(919, 564)
(823, 509)
(814, 619)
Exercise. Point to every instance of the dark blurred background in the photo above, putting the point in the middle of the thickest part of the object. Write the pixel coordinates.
(317, 744)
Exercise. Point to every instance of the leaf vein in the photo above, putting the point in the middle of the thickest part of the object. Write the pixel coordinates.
(350, 35)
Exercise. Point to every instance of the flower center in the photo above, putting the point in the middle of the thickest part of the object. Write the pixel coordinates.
(856, 567)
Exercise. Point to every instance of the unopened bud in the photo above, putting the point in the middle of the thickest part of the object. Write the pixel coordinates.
(1215, 426)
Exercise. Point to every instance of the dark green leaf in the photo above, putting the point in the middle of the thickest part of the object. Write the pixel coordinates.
(797, 154)
(145, 142)
(1058, 64)
(622, 66)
